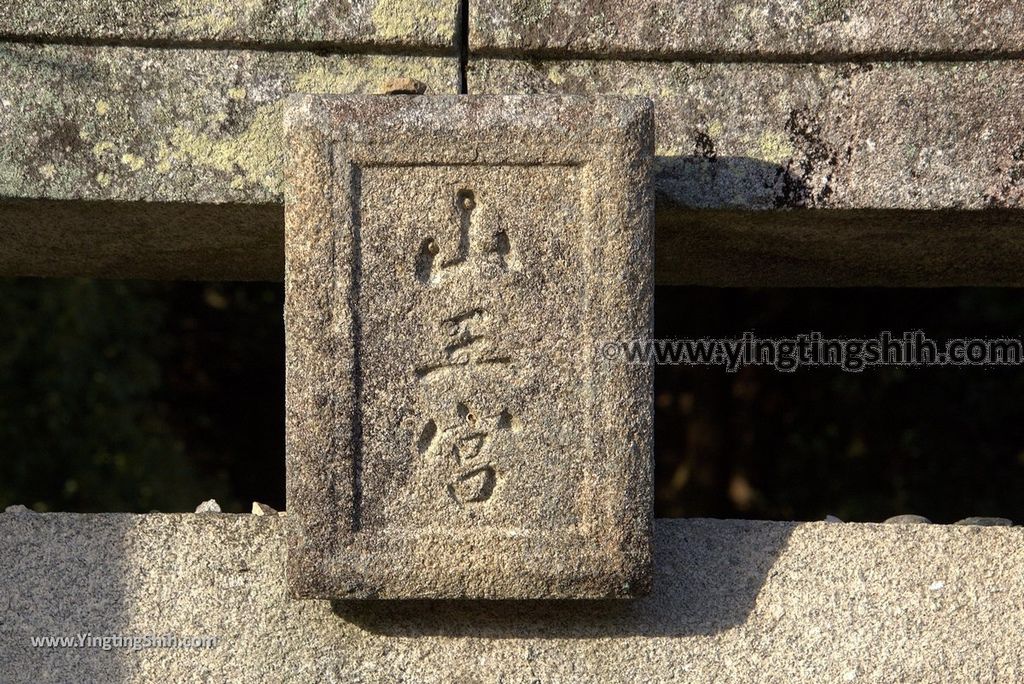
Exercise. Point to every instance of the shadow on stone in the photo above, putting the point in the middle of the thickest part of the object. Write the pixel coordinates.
(741, 183)
(64, 576)
(707, 575)
(152, 240)
(741, 222)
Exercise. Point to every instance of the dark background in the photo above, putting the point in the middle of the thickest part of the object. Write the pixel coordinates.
(138, 396)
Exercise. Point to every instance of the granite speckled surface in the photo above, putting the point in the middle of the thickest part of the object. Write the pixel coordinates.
(452, 266)
(131, 161)
(345, 24)
(731, 600)
(907, 136)
(166, 125)
(746, 30)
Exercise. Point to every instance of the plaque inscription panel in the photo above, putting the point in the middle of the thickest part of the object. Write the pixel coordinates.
(476, 367)
(452, 266)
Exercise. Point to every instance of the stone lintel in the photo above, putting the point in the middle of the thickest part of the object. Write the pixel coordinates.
(791, 248)
(125, 162)
(862, 136)
(168, 125)
(750, 31)
(411, 25)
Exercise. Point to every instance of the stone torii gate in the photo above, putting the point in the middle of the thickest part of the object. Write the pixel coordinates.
(794, 143)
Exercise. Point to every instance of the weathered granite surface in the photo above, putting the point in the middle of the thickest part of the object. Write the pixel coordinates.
(160, 125)
(894, 141)
(452, 264)
(204, 126)
(135, 135)
(742, 29)
(732, 601)
(841, 136)
(415, 24)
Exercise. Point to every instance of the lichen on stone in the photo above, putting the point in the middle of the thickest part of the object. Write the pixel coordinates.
(775, 147)
(395, 20)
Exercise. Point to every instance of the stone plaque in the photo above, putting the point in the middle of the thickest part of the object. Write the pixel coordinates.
(454, 265)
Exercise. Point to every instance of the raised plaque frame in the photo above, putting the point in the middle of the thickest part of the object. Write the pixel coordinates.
(334, 548)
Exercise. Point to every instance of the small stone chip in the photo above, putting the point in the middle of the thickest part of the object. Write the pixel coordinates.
(18, 508)
(832, 519)
(908, 519)
(210, 506)
(262, 509)
(981, 521)
(403, 85)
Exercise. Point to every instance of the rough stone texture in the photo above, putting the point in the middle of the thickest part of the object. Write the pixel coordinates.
(451, 265)
(732, 601)
(262, 509)
(402, 86)
(416, 24)
(204, 200)
(197, 126)
(749, 30)
(208, 506)
(202, 125)
(840, 136)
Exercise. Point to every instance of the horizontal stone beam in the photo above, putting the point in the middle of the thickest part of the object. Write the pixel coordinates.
(173, 240)
(381, 24)
(145, 240)
(195, 126)
(842, 136)
(827, 248)
(204, 126)
(131, 162)
(732, 600)
(730, 29)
